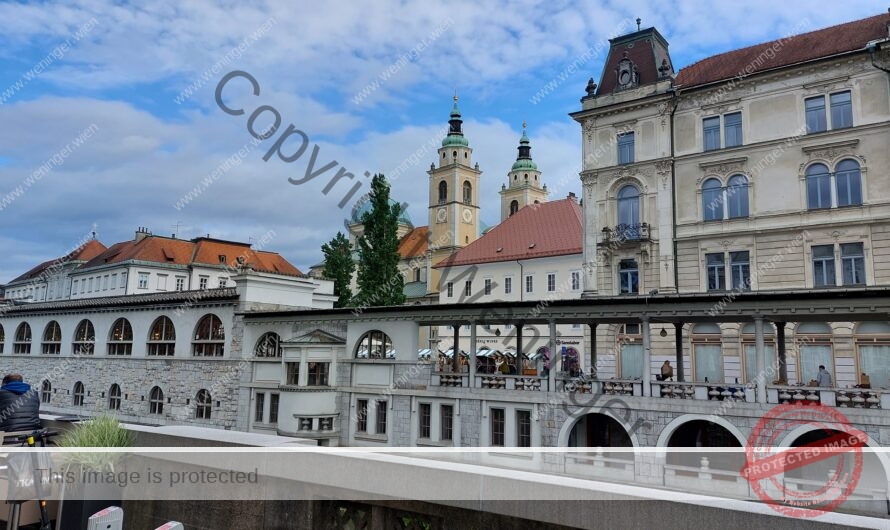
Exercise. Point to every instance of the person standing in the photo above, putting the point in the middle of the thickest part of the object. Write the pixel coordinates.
(667, 371)
(19, 405)
(823, 378)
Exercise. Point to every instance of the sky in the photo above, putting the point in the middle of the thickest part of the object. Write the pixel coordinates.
(123, 95)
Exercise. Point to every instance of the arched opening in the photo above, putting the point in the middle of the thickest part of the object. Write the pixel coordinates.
(84, 339)
(203, 404)
(120, 341)
(600, 430)
(46, 391)
(712, 200)
(514, 207)
(52, 339)
(114, 397)
(78, 394)
(374, 344)
(269, 346)
(156, 401)
(737, 196)
(818, 187)
(210, 337)
(468, 192)
(443, 192)
(162, 337)
(849, 183)
(22, 342)
(704, 433)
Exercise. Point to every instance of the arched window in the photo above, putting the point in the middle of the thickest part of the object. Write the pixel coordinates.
(707, 353)
(712, 200)
(22, 342)
(84, 338)
(468, 192)
(46, 391)
(2, 338)
(210, 337)
(269, 346)
(78, 394)
(202, 405)
(443, 192)
(514, 207)
(818, 187)
(120, 341)
(629, 207)
(849, 183)
(156, 401)
(162, 337)
(114, 397)
(52, 339)
(873, 345)
(374, 345)
(737, 196)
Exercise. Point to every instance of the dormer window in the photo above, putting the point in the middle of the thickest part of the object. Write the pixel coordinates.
(240, 260)
(222, 259)
(628, 77)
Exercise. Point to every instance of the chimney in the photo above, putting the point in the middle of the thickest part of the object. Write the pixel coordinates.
(572, 196)
(142, 233)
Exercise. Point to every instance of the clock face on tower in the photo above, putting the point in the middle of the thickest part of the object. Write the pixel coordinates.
(467, 215)
(441, 215)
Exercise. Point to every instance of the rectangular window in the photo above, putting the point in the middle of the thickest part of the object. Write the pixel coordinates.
(551, 282)
(259, 410)
(143, 280)
(468, 287)
(202, 282)
(823, 266)
(488, 286)
(508, 285)
(113, 281)
(853, 263)
(293, 373)
(162, 282)
(626, 148)
(90, 288)
(123, 280)
(815, 109)
(523, 428)
(361, 414)
(74, 289)
(450, 289)
(628, 277)
(716, 271)
(180, 283)
(105, 283)
(740, 270)
(273, 408)
(708, 363)
(381, 417)
(529, 283)
(498, 427)
(576, 281)
(711, 132)
(222, 281)
(732, 129)
(426, 415)
(318, 374)
(446, 417)
(841, 110)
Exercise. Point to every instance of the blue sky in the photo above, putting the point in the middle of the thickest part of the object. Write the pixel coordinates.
(124, 74)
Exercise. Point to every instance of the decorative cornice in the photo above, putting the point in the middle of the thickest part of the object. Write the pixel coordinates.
(724, 166)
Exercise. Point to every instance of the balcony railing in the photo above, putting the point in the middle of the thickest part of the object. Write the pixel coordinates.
(622, 233)
(702, 391)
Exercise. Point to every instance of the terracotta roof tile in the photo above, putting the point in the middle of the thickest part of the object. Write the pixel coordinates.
(414, 243)
(84, 253)
(536, 231)
(818, 44)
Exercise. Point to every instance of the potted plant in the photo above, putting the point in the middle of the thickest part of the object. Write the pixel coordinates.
(99, 431)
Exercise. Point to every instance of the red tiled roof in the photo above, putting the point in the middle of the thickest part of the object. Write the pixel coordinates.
(201, 251)
(84, 253)
(414, 243)
(818, 44)
(643, 48)
(536, 231)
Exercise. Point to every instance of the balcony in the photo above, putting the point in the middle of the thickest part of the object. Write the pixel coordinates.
(625, 233)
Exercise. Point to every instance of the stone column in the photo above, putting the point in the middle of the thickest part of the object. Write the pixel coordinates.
(472, 360)
(760, 355)
(593, 366)
(678, 337)
(551, 373)
(519, 326)
(455, 359)
(647, 356)
(780, 351)
(592, 230)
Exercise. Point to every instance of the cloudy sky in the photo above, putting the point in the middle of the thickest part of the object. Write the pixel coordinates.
(128, 77)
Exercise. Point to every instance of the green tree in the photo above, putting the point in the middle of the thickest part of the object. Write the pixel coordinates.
(338, 266)
(379, 281)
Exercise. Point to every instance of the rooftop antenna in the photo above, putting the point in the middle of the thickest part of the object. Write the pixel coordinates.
(93, 232)
(176, 228)
(639, 20)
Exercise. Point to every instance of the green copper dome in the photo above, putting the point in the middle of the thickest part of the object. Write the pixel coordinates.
(524, 163)
(455, 141)
(455, 136)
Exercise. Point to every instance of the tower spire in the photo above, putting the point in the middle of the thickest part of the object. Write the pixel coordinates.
(455, 132)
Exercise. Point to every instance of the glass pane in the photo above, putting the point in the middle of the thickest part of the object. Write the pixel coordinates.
(751, 372)
(711, 130)
(712, 203)
(737, 193)
(811, 357)
(874, 361)
(732, 124)
(849, 184)
(815, 109)
(841, 110)
(631, 361)
(708, 363)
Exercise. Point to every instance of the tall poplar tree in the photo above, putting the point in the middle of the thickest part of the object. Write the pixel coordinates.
(379, 281)
(338, 266)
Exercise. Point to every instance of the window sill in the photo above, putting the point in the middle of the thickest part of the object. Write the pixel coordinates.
(427, 442)
(371, 437)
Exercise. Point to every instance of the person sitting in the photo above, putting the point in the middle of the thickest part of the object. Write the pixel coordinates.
(667, 371)
(823, 378)
(19, 405)
(864, 381)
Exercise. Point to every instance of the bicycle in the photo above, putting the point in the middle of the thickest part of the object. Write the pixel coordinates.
(15, 508)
